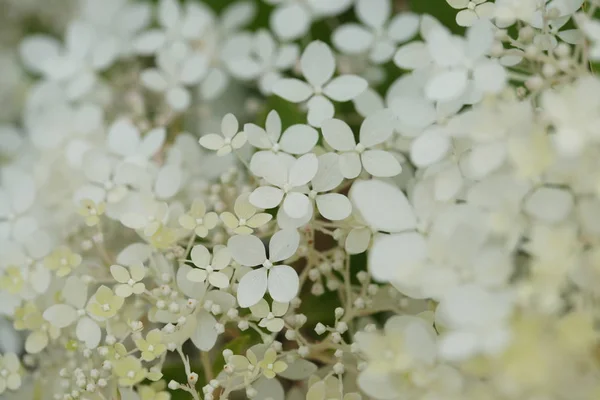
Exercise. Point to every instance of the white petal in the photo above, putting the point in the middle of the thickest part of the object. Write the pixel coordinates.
(36, 342)
(194, 69)
(120, 273)
(153, 79)
(200, 256)
(252, 287)
(466, 17)
(88, 332)
(296, 204)
(292, 89)
(403, 27)
(380, 163)
(213, 84)
(352, 38)
(168, 181)
(35, 50)
(283, 283)
(205, 335)
(319, 109)
(290, 21)
(317, 63)
(549, 204)
(480, 38)
(60, 315)
(257, 136)
(414, 111)
(377, 128)
(368, 102)
(149, 42)
(123, 137)
(283, 244)
(394, 257)
(383, 206)
(299, 139)
(490, 76)
(303, 170)
(328, 175)
(447, 85)
(178, 98)
(413, 55)
(212, 141)
(446, 50)
(345, 87)
(266, 197)
(229, 125)
(357, 240)
(373, 13)
(247, 250)
(429, 148)
(350, 165)
(338, 134)
(134, 254)
(169, 13)
(334, 206)
(218, 279)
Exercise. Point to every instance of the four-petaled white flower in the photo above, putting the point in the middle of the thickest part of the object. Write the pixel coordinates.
(270, 318)
(379, 38)
(198, 220)
(246, 218)
(210, 267)
(75, 294)
(318, 66)
(289, 177)
(130, 281)
(375, 129)
(231, 140)
(281, 281)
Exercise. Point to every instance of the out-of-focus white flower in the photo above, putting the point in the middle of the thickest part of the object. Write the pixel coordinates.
(406, 344)
(259, 57)
(318, 66)
(177, 25)
(378, 37)
(472, 10)
(281, 281)
(130, 280)
(75, 294)
(17, 196)
(476, 321)
(10, 378)
(292, 18)
(178, 66)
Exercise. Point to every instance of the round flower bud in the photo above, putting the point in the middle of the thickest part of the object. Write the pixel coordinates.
(192, 378)
(174, 385)
(320, 329)
(338, 368)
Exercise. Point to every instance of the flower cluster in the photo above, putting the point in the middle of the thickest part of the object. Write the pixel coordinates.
(361, 201)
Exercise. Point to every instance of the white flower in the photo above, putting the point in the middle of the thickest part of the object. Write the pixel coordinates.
(406, 344)
(472, 10)
(297, 139)
(458, 58)
(379, 38)
(130, 281)
(177, 25)
(125, 140)
(507, 12)
(288, 177)
(246, 218)
(259, 57)
(318, 66)
(178, 66)
(210, 266)
(231, 139)
(75, 294)
(292, 18)
(147, 215)
(281, 281)
(591, 28)
(117, 20)
(198, 220)
(375, 129)
(85, 54)
(333, 206)
(10, 372)
(476, 321)
(17, 196)
(270, 317)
